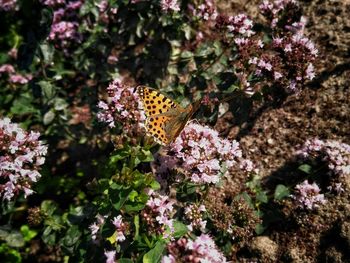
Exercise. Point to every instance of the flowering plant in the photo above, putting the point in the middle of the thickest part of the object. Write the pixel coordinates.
(107, 193)
(22, 154)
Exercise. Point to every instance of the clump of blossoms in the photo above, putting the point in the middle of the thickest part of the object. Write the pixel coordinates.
(123, 107)
(106, 12)
(194, 214)
(21, 155)
(110, 256)
(335, 154)
(13, 77)
(202, 156)
(158, 213)
(8, 5)
(282, 13)
(120, 228)
(96, 226)
(286, 62)
(307, 196)
(64, 29)
(205, 10)
(169, 5)
(202, 249)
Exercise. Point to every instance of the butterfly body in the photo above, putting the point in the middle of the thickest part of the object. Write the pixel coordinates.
(165, 118)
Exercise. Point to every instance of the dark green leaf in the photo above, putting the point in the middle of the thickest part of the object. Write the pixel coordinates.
(281, 192)
(262, 197)
(155, 254)
(305, 168)
(180, 229)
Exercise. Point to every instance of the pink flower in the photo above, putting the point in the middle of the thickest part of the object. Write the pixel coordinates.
(124, 106)
(7, 68)
(120, 227)
(242, 25)
(19, 79)
(22, 156)
(95, 227)
(170, 5)
(335, 154)
(310, 73)
(8, 5)
(200, 154)
(307, 196)
(202, 249)
(158, 214)
(277, 75)
(110, 255)
(194, 214)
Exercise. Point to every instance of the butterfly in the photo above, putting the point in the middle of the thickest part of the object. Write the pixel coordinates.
(165, 118)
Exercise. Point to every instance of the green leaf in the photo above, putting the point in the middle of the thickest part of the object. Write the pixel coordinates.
(72, 236)
(120, 155)
(48, 117)
(259, 229)
(281, 192)
(9, 254)
(125, 260)
(48, 207)
(155, 185)
(27, 233)
(155, 254)
(262, 197)
(305, 168)
(47, 52)
(122, 198)
(15, 239)
(60, 104)
(132, 196)
(134, 207)
(137, 226)
(180, 229)
(47, 90)
(22, 105)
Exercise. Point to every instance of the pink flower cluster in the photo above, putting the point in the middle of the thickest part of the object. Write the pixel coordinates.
(274, 10)
(169, 5)
(194, 214)
(158, 213)
(64, 29)
(110, 256)
(307, 196)
(120, 228)
(335, 154)
(8, 5)
(240, 25)
(14, 78)
(206, 10)
(287, 62)
(96, 226)
(123, 106)
(202, 249)
(201, 155)
(106, 12)
(21, 155)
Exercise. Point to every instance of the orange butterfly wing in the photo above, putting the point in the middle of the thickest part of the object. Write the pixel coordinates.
(165, 118)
